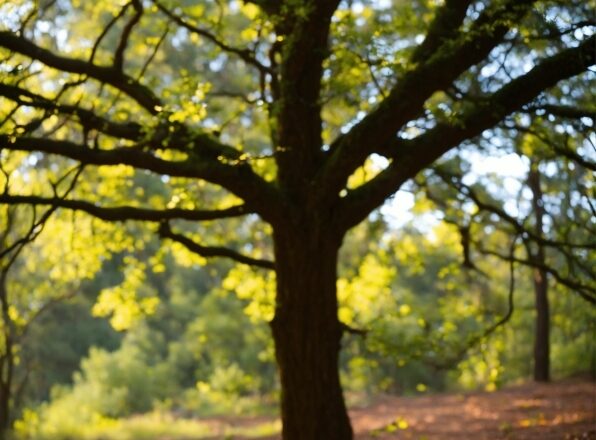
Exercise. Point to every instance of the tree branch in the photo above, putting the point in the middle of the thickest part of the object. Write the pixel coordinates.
(353, 330)
(176, 136)
(212, 251)
(411, 156)
(124, 213)
(563, 111)
(13, 250)
(106, 29)
(406, 100)
(456, 183)
(565, 152)
(119, 54)
(444, 27)
(585, 291)
(87, 118)
(236, 177)
(245, 54)
(108, 75)
(305, 46)
(474, 340)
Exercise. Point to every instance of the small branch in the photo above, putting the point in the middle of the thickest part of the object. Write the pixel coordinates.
(455, 182)
(153, 53)
(488, 331)
(105, 31)
(444, 27)
(212, 251)
(352, 330)
(42, 310)
(586, 292)
(563, 111)
(245, 54)
(449, 362)
(119, 54)
(36, 226)
(87, 118)
(108, 75)
(474, 340)
(566, 152)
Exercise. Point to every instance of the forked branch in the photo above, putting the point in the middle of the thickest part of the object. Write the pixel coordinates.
(104, 74)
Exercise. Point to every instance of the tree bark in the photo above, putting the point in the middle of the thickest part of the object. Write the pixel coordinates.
(307, 335)
(542, 326)
(542, 330)
(4, 412)
(6, 361)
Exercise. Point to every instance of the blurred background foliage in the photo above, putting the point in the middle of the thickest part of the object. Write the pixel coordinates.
(204, 349)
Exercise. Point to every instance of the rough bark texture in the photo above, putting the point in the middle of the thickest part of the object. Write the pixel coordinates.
(307, 336)
(542, 329)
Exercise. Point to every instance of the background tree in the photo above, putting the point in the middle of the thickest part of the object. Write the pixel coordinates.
(312, 89)
(543, 206)
(19, 309)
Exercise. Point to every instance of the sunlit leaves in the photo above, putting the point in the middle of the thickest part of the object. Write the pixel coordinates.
(363, 298)
(250, 10)
(257, 289)
(128, 301)
(184, 257)
(364, 174)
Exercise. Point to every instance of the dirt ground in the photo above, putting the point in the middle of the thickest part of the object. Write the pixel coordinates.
(563, 410)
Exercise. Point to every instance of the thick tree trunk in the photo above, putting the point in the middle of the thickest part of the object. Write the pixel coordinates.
(307, 336)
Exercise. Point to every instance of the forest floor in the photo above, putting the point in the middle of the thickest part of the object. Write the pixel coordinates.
(563, 410)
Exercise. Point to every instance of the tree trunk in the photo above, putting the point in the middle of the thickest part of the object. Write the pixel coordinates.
(4, 412)
(307, 335)
(7, 360)
(542, 328)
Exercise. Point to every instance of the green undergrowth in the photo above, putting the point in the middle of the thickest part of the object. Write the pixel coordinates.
(150, 426)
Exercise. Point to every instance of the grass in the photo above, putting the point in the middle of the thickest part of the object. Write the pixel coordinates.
(161, 426)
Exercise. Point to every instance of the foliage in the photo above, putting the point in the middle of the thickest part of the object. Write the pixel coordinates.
(270, 134)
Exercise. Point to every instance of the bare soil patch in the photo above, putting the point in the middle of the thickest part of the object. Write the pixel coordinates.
(561, 410)
(564, 410)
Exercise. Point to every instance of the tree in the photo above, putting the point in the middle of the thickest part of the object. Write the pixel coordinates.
(542, 329)
(277, 105)
(19, 230)
(552, 197)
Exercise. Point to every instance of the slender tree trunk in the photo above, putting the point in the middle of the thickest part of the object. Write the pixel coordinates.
(4, 412)
(307, 336)
(542, 329)
(6, 360)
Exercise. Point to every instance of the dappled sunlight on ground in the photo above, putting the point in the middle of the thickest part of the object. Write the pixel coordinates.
(564, 410)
